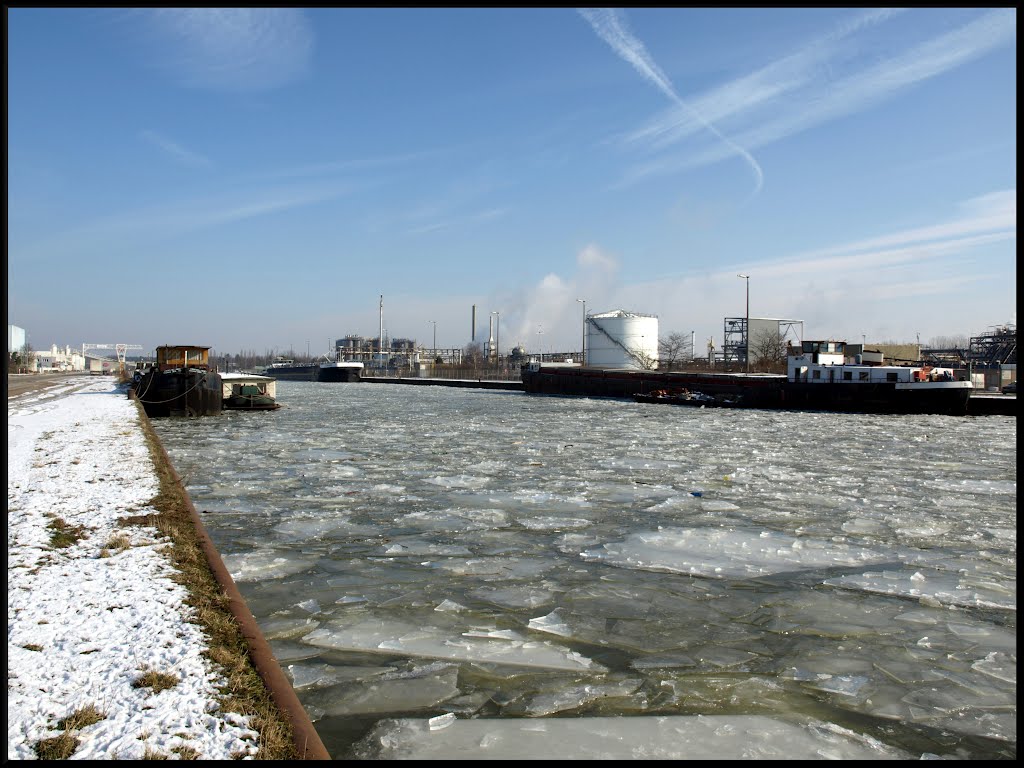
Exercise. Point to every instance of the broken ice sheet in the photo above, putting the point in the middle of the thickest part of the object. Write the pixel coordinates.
(572, 696)
(725, 553)
(650, 636)
(395, 637)
(381, 695)
(266, 563)
(514, 597)
(502, 567)
(999, 665)
(936, 586)
(323, 675)
(720, 737)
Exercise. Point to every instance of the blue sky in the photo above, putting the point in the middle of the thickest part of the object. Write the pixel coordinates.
(256, 179)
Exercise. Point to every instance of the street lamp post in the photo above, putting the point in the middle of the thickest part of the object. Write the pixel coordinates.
(434, 350)
(540, 347)
(497, 337)
(583, 353)
(746, 328)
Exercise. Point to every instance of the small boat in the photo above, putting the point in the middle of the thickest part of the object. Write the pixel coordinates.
(249, 392)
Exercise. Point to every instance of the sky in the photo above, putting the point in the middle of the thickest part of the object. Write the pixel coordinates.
(273, 179)
(82, 627)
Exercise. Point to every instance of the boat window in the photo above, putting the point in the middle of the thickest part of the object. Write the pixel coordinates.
(847, 375)
(891, 376)
(817, 374)
(862, 375)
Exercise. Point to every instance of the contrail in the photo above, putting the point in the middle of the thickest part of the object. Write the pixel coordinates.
(610, 26)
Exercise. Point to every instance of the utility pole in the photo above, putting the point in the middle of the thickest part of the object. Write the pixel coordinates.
(746, 328)
(497, 337)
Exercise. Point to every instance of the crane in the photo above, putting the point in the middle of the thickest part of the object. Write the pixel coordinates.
(120, 349)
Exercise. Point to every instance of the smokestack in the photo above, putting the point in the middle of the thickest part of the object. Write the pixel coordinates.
(472, 330)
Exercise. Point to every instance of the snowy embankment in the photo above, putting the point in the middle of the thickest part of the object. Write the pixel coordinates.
(91, 605)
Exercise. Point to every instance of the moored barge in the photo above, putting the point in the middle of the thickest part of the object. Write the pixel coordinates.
(180, 383)
(819, 377)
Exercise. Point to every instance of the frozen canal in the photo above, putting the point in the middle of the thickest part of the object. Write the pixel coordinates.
(484, 574)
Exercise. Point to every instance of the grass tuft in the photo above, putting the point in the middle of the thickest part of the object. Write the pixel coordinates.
(82, 717)
(119, 541)
(64, 535)
(158, 681)
(56, 748)
(186, 753)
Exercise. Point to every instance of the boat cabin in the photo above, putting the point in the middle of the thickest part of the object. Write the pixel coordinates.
(826, 362)
(169, 357)
(246, 391)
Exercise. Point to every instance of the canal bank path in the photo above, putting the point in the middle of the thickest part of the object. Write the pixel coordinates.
(106, 659)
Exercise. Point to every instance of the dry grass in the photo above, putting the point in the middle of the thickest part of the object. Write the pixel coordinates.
(119, 541)
(243, 690)
(63, 746)
(65, 535)
(185, 753)
(158, 681)
(56, 748)
(82, 717)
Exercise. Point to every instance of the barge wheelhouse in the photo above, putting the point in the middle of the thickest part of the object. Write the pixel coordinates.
(820, 377)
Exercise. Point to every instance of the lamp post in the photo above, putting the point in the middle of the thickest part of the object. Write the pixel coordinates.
(434, 350)
(540, 347)
(497, 337)
(583, 353)
(746, 327)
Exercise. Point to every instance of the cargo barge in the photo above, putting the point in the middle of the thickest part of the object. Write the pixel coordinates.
(819, 377)
(180, 383)
(289, 370)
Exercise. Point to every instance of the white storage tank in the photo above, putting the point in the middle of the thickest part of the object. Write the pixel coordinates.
(621, 339)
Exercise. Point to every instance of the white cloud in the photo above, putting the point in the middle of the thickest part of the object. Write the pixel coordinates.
(806, 89)
(235, 49)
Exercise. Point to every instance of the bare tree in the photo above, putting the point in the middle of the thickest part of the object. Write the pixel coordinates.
(949, 342)
(674, 349)
(473, 353)
(768, 352)
(643, 359)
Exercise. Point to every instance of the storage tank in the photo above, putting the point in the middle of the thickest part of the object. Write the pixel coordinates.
(621, 339)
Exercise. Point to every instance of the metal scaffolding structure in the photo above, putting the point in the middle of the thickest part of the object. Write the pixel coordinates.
(734, 347)
(993, 349)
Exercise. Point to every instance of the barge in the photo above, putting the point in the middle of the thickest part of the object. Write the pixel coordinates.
(819, 377)
(340, 370)
(180, 383)
(284, 368)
